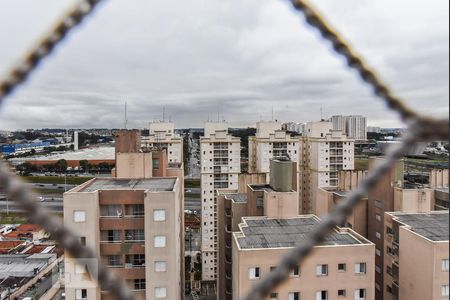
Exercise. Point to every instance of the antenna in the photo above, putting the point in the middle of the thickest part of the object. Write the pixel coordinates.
(321, 113)
(126, 119)
(164, 113)
(218, 113)
(272, 114)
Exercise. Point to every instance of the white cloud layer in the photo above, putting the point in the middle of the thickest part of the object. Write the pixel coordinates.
(239, 57)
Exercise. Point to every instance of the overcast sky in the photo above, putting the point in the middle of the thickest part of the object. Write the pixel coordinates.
(240, 57)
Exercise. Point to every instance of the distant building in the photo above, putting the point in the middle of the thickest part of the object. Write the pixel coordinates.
(323, 153)
(24, 148)
(162, 136)
(355, 127)
(373, 129)
(416, 256)
(270, 142)
(294, 127)
(220, 168)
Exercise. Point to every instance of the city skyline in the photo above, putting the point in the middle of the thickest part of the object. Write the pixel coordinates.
(240, 59)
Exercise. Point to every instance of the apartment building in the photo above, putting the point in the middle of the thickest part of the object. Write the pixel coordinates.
(270, 142)
(220, 168)
(162, 136)
(134, 224)
(341, 268)
(391, 194)
(355, 127)
(323, 153)
(416, 256)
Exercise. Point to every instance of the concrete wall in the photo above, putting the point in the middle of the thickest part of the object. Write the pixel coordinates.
(413, 200)
(439, 178)
(134, 165)
(280, 205)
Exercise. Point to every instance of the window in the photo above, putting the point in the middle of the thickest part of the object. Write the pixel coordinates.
(378, 235)
(160, 292)
(135, 235)
(322, 270)
(114, 260)
(360, 294)
(113, 235)
(253, 273)
(378, 217)
(80, 294)
(272, 269)
(159, 215)
(378, 252)
(160, 266)
(274, 296)
(360, 268)
(322, 295)
(160, 241)
(342, 268)
(294, 296)
(378, 269)
(342, 293)
(83, 241)
(79, 216)
(139, 284)
(295, 272)
(80, 269)
(135, 260)
(445, 265)
(445, 291)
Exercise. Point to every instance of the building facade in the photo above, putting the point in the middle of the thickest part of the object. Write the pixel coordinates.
(162, 136)
(324, 152)
(355, 127)
(220, 168)
(270, 142)
(416, 256)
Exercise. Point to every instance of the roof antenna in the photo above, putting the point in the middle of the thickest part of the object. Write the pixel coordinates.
(164, 114)
(272, 114)
(126, 119)
(321, 114)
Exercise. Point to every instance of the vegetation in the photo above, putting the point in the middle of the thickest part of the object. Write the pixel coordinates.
(198, 268)
(243, 134)
(56, 179)
(186, 153)
(12, 218)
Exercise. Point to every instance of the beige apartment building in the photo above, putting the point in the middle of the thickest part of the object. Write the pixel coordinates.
(324, 152)
(392, 194)
(275, 205)
(355, 127)
(416, 256)
(220, 168)
(341, 268)
(270, 142)
(134, 224)
(162, 136)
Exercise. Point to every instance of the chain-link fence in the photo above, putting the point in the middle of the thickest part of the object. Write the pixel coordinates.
(420, 128)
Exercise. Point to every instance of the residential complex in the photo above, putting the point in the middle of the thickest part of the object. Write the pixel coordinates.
(134, 223)
(259, 226)
(324, 152)
(162, 136)
(220, 168)
(416, 256)
(355, 127)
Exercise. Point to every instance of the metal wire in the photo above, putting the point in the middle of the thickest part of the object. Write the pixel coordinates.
(420, 129)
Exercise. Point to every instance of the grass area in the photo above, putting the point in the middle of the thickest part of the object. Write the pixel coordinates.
(361, 164)
(49, 191)
(56, 180)
(13, 218)
(192, 183)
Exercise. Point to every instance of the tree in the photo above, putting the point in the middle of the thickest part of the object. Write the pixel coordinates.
(61, 165)
(84, 164)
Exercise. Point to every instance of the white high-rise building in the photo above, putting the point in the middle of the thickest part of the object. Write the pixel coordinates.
(162, 136)
(323, 153)
(354, 126)
(220, 168)
(270, 142)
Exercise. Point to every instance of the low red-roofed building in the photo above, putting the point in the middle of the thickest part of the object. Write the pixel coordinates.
(7, 247)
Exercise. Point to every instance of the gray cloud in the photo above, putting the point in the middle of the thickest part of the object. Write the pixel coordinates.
(196, 57)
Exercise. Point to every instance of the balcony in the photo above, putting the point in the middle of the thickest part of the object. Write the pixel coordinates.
(121, 223)
(112, 248)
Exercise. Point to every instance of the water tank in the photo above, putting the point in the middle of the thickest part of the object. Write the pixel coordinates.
(281, 174)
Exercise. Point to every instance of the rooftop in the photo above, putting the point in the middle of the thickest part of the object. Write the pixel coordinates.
(433, 226)
(238, 198)
(100, 153)
(150, 184)
(23, 265)
(264, 233)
